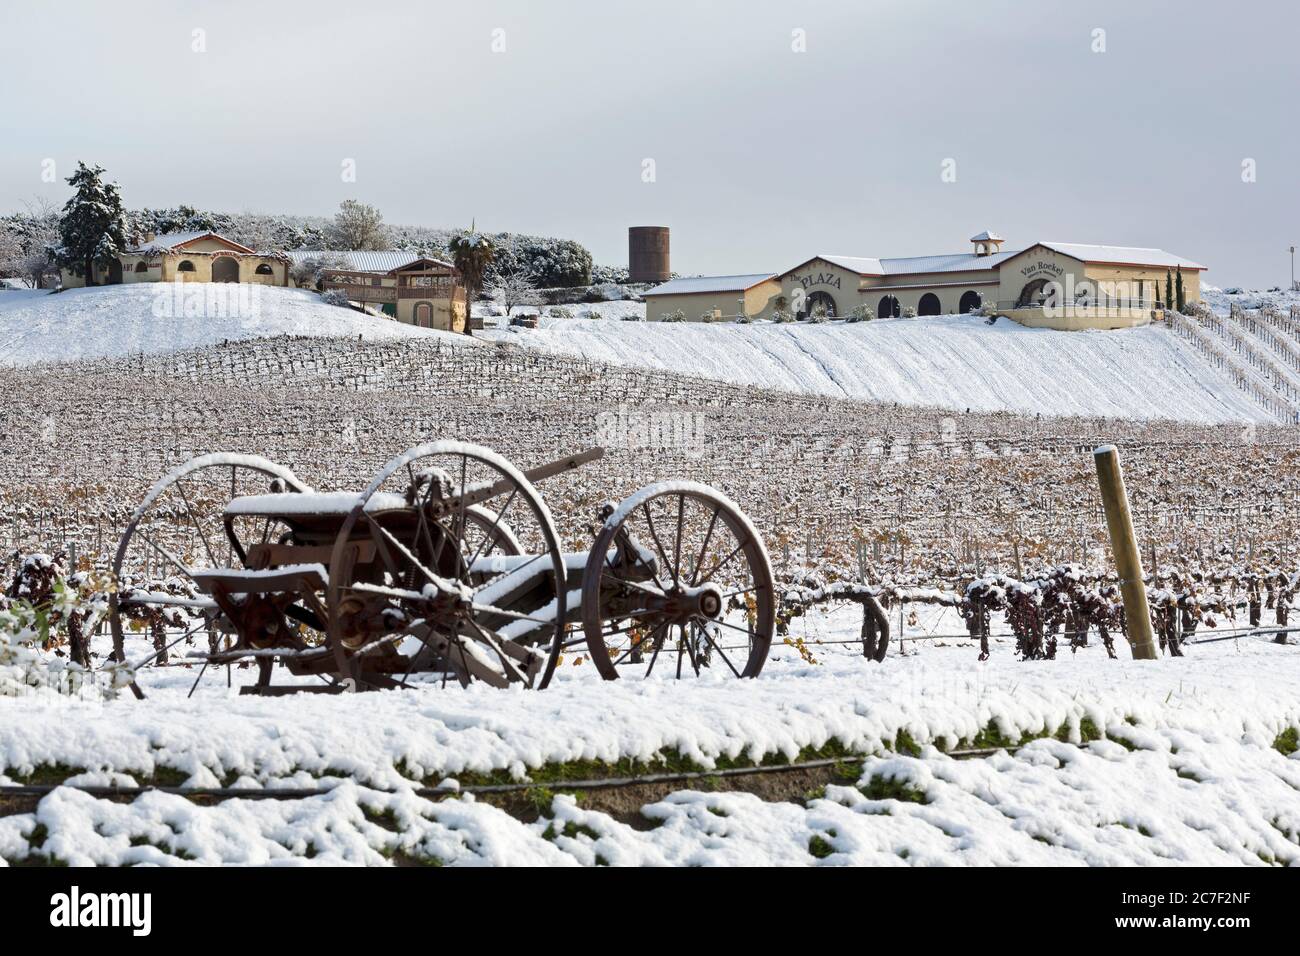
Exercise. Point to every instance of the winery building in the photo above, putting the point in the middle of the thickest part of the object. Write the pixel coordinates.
(1060, 285)
(409, 287)
(202, 256)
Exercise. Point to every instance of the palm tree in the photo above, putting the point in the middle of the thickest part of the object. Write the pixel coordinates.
(472, 254)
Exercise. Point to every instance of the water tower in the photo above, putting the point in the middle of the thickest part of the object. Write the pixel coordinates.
(647, 253)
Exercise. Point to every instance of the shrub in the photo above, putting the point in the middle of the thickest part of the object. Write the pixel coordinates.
(862, 313)
(909, 313)
(559, 312)
(336, 297)
(677, 316)
(781, 315)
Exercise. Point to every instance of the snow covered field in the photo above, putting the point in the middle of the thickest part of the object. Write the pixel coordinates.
(1188, 770)
(946, 361)
(151, 317)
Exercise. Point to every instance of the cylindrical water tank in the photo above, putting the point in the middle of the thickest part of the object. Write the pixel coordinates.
(647, 253)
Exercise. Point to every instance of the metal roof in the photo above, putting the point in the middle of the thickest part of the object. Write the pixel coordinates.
(378, 261)
(710, 284)
(1121, 255)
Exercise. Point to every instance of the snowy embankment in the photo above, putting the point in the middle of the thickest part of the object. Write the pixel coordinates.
(1189, 771)
(153, 317)
(954, 362)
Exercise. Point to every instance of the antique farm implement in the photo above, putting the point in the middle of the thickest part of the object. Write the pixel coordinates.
(447, 566)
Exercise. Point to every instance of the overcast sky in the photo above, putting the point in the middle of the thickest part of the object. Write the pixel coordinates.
(762, 155)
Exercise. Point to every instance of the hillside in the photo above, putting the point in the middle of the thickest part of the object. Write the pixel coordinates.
(122, 320)
(954, 362)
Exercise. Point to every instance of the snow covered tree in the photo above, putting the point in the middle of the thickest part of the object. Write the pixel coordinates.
(358, 226)
(1169, 290)
(510, 287)
(1181, 302)
(10, 251)
(473, 254)
(307, 272)
(93, 230)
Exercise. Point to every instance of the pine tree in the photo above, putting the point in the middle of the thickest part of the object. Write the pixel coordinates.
(1169, 289)
(93, 231)
(1178, 289)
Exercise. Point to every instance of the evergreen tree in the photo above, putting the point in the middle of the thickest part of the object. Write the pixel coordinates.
(1178, 289)
(93, 230)
(1169, 289)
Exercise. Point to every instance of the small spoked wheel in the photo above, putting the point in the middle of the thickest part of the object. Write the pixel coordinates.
(179, 531)
(448, 566)
(678, 581)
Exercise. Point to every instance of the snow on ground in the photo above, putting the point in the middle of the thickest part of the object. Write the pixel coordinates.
(947, 361)
(110, 321)
(1189, 772)
(1221, 299)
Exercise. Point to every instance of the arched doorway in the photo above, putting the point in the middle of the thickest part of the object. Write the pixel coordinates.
(225, 269)
(888, 308)
(970, 302)
(1032, 294)
(423, 315)
(929, 305)
(819, 299)
(115, 272)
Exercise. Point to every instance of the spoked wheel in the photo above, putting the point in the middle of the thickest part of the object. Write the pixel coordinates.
(448, 566)
(179, 532)
(678, 579)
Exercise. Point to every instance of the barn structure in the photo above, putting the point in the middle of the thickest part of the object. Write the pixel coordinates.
(1062, 285)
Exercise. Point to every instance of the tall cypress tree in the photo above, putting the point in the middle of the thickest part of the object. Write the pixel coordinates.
(1169, 290)
(1178, 289)
(93, 230)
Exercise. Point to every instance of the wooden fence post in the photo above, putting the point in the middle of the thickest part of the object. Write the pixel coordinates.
(1123, 543)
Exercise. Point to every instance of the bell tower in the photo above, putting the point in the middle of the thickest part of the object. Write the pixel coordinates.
(987, 243)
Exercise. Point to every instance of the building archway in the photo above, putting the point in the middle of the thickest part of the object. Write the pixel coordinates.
(970, 302)
(225, 269)
(888, 308)
(115, 272)
(423, 315)
(819, 298)
(1032, 294)
(264, 269)
(141, 267)
(929, 305)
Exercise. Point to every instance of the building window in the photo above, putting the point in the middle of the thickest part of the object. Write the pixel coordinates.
(264, 270)
(929, 305)
(888, 308)
(185, 266)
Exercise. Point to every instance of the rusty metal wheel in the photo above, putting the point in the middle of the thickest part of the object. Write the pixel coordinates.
(678, 568)
(177, 531)
(447, 566)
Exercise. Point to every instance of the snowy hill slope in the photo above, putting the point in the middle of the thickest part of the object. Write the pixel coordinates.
(948, 361)
(145, 317)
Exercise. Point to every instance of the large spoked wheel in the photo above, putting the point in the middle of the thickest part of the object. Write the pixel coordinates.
(448, 566)
(177, 531)
(678, 572)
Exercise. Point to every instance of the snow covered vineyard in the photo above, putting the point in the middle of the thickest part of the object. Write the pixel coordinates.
(956, 362)
(828, 480)
(1077, 761)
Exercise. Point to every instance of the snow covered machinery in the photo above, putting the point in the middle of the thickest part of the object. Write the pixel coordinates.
(447, 566)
